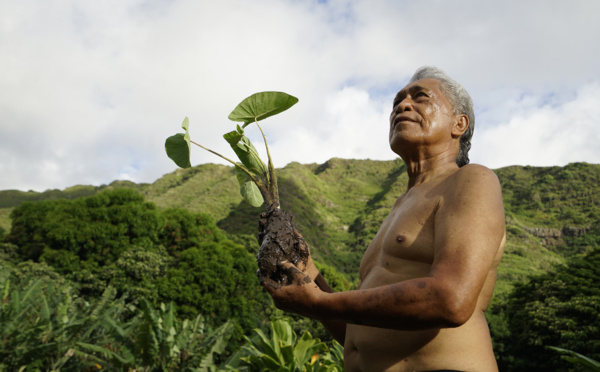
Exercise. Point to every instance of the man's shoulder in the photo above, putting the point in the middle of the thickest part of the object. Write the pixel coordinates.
(474, 181)
(475, 174)
(475, 169)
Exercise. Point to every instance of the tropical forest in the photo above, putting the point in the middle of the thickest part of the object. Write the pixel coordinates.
(162, 276)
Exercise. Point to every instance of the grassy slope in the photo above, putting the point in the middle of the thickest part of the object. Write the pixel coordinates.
(339, 205)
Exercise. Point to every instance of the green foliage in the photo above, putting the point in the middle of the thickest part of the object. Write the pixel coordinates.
(250, 162)
(558, 196)
(336, 280)
(284, 351)
(205, 188)
(4, 221)
(135, 273)
(158, 340)
(202, 271)
(25, 272)
(97, 228)
(44, 326)
(183, 230)
(178, 146)
(13, 198)
(552, 216)
(560, 309)
(8, 254)
(325, 201)
(576, 358)
(257, 182)
(260, 106)
(216, 279)
(41, 321)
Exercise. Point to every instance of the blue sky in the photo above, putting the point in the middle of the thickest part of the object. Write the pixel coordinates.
(90, 90)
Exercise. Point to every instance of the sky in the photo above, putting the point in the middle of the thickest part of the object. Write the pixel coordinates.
(90, 90)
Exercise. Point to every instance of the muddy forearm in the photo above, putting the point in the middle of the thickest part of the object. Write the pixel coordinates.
(410, 305)
(336, 329)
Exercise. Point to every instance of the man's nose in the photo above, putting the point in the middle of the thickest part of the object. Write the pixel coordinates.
(405, 105)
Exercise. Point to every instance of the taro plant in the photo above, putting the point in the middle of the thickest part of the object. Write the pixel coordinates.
(258, 182)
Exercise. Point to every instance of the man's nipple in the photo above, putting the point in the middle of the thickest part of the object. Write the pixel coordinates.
(400, 239)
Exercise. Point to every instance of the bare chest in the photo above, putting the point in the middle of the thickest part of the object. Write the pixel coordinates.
(404, 243)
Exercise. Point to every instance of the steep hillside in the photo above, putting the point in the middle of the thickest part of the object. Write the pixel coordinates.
(335, 204)
(551, 214)
(339, 205)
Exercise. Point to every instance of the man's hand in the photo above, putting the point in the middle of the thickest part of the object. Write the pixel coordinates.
(300, 296)
(309, 269)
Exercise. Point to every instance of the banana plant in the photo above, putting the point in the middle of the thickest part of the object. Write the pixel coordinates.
(158, 340)
(258, 182)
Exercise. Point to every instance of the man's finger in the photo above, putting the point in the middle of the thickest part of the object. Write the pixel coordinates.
(286, 265)
(269, 284)
(299, 278)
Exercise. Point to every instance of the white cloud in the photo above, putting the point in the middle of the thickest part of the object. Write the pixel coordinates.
(351, 125)
(90, 90)
(552, 134)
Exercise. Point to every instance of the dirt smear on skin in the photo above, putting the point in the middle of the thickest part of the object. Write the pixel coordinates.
(279, 240)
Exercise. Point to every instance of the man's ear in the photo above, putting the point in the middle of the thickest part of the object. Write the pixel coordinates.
(460, 126)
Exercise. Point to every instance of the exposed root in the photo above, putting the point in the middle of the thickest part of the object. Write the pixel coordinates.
(279, 240)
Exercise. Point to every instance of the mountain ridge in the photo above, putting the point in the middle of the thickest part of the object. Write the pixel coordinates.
(339, 205)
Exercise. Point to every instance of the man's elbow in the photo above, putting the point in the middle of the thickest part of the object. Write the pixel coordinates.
(456, 312)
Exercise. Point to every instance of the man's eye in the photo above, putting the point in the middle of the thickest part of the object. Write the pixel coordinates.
(420, 94)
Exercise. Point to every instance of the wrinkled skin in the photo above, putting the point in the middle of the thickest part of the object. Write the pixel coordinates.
(279, 241)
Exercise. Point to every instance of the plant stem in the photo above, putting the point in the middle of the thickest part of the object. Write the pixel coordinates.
(257, 157)
(261, 186)
(273, 189)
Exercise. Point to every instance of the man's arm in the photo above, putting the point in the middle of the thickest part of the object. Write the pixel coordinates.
(469, 227)
(336, 329)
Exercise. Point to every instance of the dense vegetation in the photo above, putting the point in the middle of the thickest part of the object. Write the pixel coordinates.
(188, 239)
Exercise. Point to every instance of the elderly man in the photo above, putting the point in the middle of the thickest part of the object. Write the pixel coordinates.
(429, 273)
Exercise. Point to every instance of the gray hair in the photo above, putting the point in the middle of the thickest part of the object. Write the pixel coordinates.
(461, 102)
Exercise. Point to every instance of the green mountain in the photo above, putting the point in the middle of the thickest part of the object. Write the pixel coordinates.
(338, 206)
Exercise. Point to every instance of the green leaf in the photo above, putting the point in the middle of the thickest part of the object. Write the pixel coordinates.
(260, 106)
(282, 330)
(286, 353)
(246, 152)
(305, 348)
(178, 146)
(235, 136)
(576, 358)
(248, 189)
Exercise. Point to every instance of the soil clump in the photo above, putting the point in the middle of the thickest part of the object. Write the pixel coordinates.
(279, 241)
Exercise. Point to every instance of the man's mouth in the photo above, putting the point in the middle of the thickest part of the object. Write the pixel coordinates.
(403, 118)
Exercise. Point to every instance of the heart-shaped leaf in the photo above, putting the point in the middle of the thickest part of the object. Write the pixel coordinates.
(248, 189)
(178, 146)
(260, 106)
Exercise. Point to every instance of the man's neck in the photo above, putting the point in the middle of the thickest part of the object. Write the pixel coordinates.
(423, 171)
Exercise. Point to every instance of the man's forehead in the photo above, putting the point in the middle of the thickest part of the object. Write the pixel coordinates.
(421, 84)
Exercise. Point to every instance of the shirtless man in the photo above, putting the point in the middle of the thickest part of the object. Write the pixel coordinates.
(429, 273)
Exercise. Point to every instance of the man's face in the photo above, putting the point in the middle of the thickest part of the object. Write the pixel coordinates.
(421, 115)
